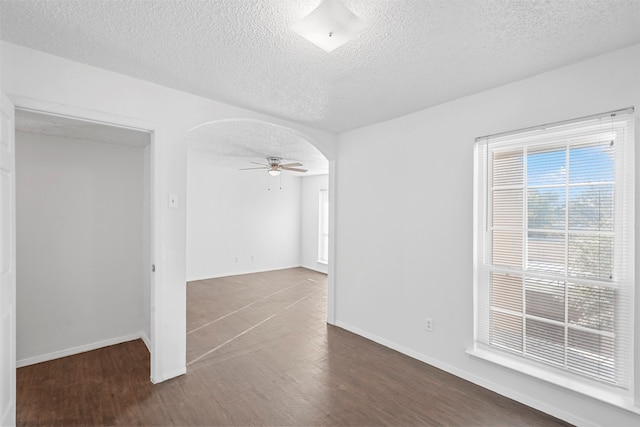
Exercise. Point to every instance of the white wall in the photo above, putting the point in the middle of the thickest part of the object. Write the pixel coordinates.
(48, 82)
(79, 245)
(405, 238)
(428, 279)
(311, 186)
(233, 214)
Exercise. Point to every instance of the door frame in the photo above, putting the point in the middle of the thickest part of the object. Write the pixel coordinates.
(155, 240)
(8, 264)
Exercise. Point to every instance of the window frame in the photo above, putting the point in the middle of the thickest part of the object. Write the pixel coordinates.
(482, 269)
(323, 249)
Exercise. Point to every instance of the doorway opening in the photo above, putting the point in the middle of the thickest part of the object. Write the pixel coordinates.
(84, 241)
(246, 222)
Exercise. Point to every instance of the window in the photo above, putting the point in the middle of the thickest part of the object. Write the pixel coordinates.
(323, 227)
(554, 249)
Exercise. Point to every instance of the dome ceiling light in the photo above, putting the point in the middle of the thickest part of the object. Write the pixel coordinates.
(330, 25)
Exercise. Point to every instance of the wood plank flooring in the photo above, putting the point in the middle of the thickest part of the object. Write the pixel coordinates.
(260, 353)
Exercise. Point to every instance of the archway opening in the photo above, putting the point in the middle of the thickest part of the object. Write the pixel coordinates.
(261, 238)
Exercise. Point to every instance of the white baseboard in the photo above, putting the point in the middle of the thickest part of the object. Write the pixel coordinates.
(76, 350)
(238, 273)
(146, 340)
(482, 382)
(169, 375)
(308, 267)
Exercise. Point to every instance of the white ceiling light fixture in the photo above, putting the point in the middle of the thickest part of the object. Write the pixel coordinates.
(330, 25)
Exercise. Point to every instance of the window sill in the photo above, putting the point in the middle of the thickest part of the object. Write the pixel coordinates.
(574, 384)
(320, 261)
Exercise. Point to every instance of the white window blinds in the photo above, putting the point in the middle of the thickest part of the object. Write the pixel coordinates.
(554, 246)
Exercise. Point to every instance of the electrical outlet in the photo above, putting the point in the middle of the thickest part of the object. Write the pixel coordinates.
(428, 324)
(237, 259)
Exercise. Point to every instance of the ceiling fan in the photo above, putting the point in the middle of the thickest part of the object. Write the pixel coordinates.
(276, 166)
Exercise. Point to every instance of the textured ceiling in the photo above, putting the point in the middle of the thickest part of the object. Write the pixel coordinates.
(414, 53)
(236, 143)
(66, 127)
(226, 144)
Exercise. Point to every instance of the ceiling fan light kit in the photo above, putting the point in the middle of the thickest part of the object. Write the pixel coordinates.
(330, 25)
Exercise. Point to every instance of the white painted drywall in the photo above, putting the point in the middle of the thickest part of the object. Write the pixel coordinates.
(311, 186)
(233, 214)
(32, 77)
(382, 249)
(405, 237)
(79, 245)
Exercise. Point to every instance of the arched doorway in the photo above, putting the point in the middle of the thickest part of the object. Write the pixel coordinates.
(243, 221)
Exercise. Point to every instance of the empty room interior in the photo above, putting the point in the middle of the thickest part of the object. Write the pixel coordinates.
(319, 212)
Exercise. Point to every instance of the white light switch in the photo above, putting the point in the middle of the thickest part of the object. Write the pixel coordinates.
(173, 200)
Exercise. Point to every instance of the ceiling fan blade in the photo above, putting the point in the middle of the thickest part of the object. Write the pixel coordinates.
(261, 164)
(246, 169)
(287, 165)
(293, 169)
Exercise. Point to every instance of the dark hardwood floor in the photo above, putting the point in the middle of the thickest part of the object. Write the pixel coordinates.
(260, 353)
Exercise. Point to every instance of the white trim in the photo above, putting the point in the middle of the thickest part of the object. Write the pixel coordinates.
(146, 340)
(80, 349)
(628, 110)
(78, 113)
(239, 273)
(314, 269)
(331, 270)
(169, 375)
(155, 192)
(560, 379)
(562, 136)
(497, 388)
(322, 261)
(322, 248)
